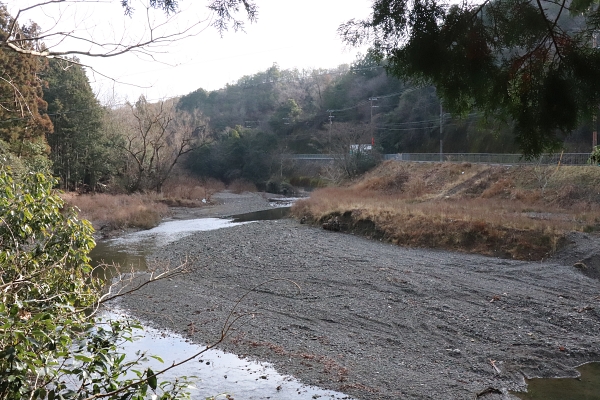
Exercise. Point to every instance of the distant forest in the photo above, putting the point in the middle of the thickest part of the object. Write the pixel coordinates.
(324, 111)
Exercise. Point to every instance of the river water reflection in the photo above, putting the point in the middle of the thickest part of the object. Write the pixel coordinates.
(586, 387)
(215, 372)
(130, 251)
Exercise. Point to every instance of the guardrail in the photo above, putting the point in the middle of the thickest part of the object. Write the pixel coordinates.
(489, 158)
(311, 156)
(484, 158)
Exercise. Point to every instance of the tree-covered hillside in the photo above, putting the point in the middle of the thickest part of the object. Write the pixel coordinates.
(289, 111)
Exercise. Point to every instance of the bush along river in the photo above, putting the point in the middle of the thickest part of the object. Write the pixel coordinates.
(214, 372)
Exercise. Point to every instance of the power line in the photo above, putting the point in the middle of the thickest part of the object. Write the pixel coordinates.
(368, 101)
(405, 126)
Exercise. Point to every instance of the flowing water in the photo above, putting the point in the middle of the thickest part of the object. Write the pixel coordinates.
(214, 372)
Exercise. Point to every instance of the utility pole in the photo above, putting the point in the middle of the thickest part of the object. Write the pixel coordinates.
(594, 117)
(441, 133)
(372, 99)
(595, 131)
(331, 117)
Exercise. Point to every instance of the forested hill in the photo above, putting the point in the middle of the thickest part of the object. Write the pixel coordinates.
(295, 106)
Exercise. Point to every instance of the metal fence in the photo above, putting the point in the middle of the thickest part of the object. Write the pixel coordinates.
(312, 156)
(484, 158)
(489, 158)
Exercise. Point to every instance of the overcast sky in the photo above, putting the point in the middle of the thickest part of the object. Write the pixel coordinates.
(292, 33)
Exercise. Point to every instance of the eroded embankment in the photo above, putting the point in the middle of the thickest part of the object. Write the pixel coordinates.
(468, 236)
(521, 212)
(375, 320)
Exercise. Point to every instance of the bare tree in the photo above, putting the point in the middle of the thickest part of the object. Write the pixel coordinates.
(155, 138)
(351, 148)
(77, 31)
(158, 25)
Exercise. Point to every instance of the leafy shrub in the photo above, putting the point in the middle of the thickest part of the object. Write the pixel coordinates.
(595, 156)
(51, 344)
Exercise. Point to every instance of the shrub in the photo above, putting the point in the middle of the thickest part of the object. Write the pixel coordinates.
(51, 345)
(595, 156)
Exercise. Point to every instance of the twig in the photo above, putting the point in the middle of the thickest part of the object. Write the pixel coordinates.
(493, 363)
(229, 322)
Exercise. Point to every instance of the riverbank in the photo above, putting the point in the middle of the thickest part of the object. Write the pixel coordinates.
(116, 215)
(517, 212)
(226, 204)
(375, 320)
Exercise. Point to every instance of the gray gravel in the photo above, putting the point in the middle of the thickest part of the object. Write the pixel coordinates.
(226, 204)
(375, 320)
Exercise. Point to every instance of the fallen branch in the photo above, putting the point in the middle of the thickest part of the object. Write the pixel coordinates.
(493, 364)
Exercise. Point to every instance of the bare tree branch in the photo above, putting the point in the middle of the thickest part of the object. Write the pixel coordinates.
(146, 34)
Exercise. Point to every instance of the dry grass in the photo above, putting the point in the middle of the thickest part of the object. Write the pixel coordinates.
(240, 186)
(520, 212)
(143, 210)
(118, 211)
(188, 191)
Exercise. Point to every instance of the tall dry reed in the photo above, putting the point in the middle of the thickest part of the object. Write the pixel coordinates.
(118, 211)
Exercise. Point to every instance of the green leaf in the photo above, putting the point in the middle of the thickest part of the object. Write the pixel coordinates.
(158, 358)
(83, 358)
(152, 381)
(578, 6)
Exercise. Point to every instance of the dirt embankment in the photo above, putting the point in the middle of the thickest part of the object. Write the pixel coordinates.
(520, 212)
(379, 321)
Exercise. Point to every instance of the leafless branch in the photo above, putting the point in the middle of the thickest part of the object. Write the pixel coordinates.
(125, 283)
(227, 325)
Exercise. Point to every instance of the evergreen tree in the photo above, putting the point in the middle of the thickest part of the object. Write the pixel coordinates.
(79, 151)
(285, 116)
(524, 62)
(23, 126)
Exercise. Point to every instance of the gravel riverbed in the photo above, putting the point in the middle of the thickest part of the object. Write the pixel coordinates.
(374, 320)
(226, 204)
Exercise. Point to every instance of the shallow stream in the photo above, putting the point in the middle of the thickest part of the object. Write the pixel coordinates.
(214, 372)
(586, 387)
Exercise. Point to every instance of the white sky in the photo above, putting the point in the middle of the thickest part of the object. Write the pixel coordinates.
(293, 33)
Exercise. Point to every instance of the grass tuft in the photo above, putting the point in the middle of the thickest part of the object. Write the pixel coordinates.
(239, 186)
(188, 191)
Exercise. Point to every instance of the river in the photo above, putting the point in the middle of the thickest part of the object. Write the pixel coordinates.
(214, 373)
(372, 320)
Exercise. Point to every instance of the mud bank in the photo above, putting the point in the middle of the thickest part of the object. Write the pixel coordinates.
(375, 320)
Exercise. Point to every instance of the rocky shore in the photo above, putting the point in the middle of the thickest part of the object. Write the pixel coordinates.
(371, 319)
